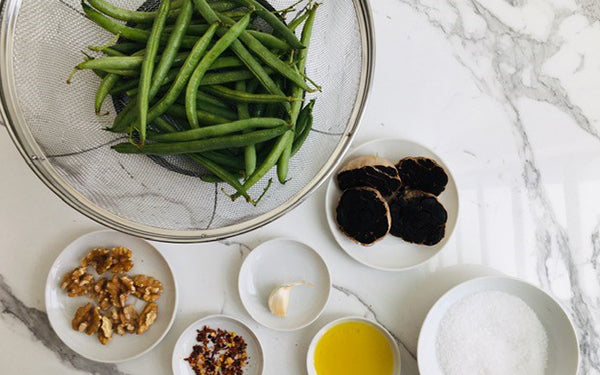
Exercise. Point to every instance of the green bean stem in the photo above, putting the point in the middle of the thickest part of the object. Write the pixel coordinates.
(276, 23)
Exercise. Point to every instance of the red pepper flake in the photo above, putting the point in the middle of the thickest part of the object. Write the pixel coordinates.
(219, 352)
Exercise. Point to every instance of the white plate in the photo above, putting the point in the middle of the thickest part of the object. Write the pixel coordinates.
(283, 261)
(147, 260)
(563, 348)
(392, 253)
(187, 340)
(310, 363)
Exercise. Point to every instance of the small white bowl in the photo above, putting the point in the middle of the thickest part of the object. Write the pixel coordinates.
(310, 362)
(283, 261)
(392, 253)
(563, 347)
(147, 260)
(187, 340)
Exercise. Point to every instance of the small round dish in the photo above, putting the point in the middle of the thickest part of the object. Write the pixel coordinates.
(563, 347)
(187, 340)
(278, 262)
(392, 253)
(61, 309)
(310, 363)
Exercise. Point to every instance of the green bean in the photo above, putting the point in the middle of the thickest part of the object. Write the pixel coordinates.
(243, 113)
(297, 21)
(109, 51)
(305, 121)
(303, 117)
(267, 39)
(170, 57)
(130, 15)
(183, 76)
(219, 130)
(128, 32)
(211, 179)
(283, 164)
(122, 72)
(127, 48)
(227, 161)
(143, 98)
(207, 105)
(113, 62)
(163, 125)
(107, 83)
(238, 48)
(209, 79)
(223, 174)
(276, 23)
(268, 163)
(269, 58)
(220, 46)
(224, 6)
(245, 97)
(226, 62)
(218, 143)
(201, 116)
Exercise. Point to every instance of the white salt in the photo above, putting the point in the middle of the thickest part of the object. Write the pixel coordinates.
(492, 333)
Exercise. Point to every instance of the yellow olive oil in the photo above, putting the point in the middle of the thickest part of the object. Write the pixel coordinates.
(354, 348)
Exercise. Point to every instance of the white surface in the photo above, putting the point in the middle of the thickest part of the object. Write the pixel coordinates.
(280, 262)
(61, 308)
(310, 357)
(392, 253)
(187, 340)
(563, 354)
(505, 92)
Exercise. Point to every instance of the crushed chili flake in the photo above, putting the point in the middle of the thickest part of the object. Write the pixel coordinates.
(219, 352)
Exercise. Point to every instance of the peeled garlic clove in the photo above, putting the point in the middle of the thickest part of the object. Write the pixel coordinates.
(280, 298)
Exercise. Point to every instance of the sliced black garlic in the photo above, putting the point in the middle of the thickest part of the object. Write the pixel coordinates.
(363, 215)
(369, 171)
(418, 217)
(419, 173)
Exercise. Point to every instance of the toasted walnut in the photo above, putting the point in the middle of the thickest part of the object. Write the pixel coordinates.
(119, 289)
(124, 320)
(106, 330)
(121, 260)
(77, 282)
(147, 317)
(100, 259)
(100, 294)
(86, 319)
(147, 288)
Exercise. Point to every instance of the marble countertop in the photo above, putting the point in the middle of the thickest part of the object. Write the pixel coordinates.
(505, 91)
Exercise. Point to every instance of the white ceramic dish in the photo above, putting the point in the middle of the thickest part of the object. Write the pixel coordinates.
(310, 363)
(60, 308)
(283, 261)
(187, 340)
(563, 348)
(392, 253)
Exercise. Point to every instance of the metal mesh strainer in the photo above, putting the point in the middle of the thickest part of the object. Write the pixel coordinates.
(56, 130)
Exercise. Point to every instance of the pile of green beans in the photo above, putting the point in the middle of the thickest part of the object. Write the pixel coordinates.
(201, 81)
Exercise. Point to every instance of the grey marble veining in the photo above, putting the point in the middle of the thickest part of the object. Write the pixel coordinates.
(36, 321)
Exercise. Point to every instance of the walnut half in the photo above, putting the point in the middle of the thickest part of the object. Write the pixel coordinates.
(147, 317)
(86, 319)
(77, 282)
(121, 260)
(147, 288)
(106, 330)
(124, 320)
(98, 258)
(119, 289)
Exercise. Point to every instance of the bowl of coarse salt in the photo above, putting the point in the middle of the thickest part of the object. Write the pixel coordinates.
(497, 326)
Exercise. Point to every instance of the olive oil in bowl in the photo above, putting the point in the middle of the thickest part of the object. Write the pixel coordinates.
(354, 347)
